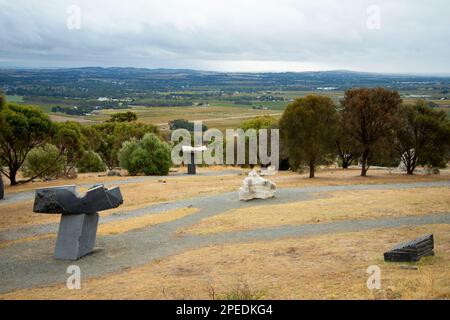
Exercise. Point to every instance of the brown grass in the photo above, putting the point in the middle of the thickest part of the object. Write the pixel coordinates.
(341, 205)
(319, 267)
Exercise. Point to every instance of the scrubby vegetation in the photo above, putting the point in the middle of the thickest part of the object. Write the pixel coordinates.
(91, 162)
(150, 156)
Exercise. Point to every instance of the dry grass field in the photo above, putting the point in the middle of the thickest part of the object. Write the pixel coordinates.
(339, 205)
(319, 267)
(215, 116)
(331, 266)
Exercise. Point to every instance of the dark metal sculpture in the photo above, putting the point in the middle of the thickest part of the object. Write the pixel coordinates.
(191, 151)
(411, 251)
(79, 216)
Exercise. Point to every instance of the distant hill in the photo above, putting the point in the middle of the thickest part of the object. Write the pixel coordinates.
(96, 81)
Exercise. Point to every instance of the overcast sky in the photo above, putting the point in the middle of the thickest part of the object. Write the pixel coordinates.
(396, 36)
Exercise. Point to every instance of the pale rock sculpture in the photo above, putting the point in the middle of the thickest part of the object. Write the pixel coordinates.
(255, 187)
(269, 171)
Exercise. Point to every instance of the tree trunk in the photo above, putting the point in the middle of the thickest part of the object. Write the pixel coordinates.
(364, 163)
(12, 178)
(311, 169)
(410, 162)
(345, 163)
(2, 187)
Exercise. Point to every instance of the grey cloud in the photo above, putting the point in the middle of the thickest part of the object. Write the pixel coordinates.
(237, 34)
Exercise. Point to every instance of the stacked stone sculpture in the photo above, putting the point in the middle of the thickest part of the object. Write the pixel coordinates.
(255, 187)
(79, 216)
(411, 251)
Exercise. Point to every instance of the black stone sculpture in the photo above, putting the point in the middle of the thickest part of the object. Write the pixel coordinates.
(79, 216)
(2, 188)
(411, 251)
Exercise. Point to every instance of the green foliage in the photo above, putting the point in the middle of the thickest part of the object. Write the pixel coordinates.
(308, 128)
(369, 116)
(91, 138)
(347, 150)
(90, 162)
(23, 128)
(264, 122)
(426, 132)
(123, 117)
(2, 100)
(69, 140)
(150, 156)
(184, 124)
(114, 134)
(44, 162)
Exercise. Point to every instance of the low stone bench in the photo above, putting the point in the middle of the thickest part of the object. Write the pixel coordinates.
(79, 216)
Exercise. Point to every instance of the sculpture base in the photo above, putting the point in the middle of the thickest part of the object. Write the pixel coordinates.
(76, 236)
(192, 169)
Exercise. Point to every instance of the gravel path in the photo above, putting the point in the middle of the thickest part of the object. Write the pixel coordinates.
(31, 264)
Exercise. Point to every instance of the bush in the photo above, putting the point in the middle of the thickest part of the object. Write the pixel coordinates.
(149, 155)
(44, 162)
(91, 162)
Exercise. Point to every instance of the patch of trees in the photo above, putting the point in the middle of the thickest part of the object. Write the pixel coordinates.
(184, 124)
(39, 148)
(86, 109)
(123, 117)
(370, 126)
(308, 127)
(149, 155)
(164, 103)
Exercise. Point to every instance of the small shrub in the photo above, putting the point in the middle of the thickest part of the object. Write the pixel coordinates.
(241, 291)
(44, 162)
(150, 156)
(91, 162)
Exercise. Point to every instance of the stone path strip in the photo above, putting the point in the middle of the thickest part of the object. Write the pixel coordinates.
(30, 264)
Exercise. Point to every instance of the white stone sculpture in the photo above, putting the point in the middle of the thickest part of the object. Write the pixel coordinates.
(269, 171)
(255, 187)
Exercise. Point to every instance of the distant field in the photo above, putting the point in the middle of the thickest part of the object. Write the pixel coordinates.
(220, 114)
(216, 116)
(14, 98)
